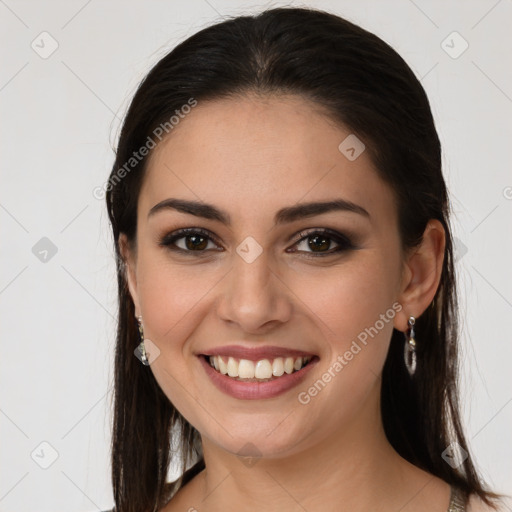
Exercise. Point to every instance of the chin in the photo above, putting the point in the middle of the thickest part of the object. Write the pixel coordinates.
(257, 442)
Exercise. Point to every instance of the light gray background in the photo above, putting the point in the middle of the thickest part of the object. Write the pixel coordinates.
(59, 119)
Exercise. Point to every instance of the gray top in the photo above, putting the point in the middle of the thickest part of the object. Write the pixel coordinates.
(457, 501)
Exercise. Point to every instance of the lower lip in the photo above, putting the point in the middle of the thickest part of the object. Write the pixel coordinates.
(256, 390)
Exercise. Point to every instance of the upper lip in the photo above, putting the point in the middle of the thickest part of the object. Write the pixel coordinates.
(257, 353)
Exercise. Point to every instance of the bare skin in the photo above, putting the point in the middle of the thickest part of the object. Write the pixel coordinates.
(251, 157)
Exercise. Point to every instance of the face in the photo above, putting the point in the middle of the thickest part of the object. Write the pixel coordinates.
(323, 282)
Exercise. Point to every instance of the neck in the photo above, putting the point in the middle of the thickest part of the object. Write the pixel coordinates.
(353, 469)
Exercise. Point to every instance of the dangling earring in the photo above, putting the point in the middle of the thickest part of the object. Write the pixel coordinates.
(141, 347)
(410, 347)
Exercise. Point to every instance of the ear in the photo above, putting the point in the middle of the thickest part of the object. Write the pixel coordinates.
(129, 260)
(421, 275)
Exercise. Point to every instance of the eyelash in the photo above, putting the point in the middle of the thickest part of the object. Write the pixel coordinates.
(344, 243)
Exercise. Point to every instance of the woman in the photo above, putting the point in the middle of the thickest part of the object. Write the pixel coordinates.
(286, 280)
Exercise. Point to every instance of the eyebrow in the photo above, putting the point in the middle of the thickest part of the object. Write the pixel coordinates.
(283, 216)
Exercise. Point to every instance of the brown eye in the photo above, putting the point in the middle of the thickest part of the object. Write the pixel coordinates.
(195, 242)
(319, 242)
(191, 240)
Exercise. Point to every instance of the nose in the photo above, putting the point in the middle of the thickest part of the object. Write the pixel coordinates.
(254, 296)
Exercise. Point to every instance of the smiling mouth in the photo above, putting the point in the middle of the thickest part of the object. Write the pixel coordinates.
(263, 370)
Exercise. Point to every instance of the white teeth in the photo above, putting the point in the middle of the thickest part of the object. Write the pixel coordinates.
(288, 365)
(278, 367)
(232, 367)
(263, 369)
(245, 369)
(223, 367)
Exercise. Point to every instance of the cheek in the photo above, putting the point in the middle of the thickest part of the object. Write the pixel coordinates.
(173, 300)
(354, 314)
(171, 295)
(346, 299)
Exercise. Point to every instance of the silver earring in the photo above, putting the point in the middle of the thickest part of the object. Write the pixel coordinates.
(141, 347)
(410, 347)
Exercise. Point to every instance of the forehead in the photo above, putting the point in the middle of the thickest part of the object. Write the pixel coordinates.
(252, 155)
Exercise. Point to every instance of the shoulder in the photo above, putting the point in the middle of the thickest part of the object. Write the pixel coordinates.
(475, 504)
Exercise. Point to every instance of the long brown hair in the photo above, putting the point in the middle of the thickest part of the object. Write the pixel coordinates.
(361, 82)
